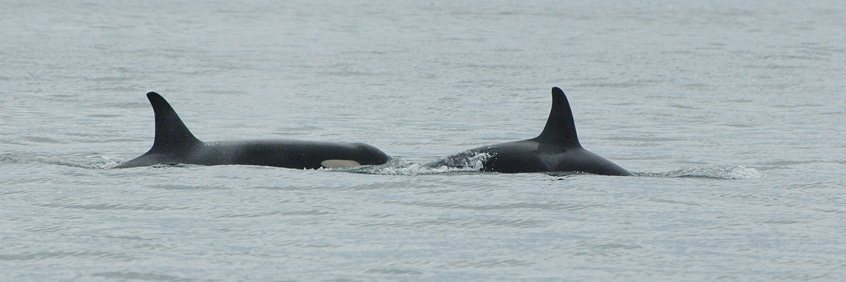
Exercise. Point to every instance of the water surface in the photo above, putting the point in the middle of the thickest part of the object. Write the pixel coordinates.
(731, 114)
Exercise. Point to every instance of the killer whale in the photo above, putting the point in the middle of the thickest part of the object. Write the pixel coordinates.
(556, 149)
(174, 143)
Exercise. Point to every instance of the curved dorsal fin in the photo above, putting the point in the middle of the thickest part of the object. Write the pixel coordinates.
(172, 135)
(560, 128)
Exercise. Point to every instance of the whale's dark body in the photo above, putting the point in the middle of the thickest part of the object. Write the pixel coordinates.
(556, 149)
(174, 143)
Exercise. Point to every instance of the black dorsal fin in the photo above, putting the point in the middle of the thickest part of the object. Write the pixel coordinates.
(560, 128)
(172, 136)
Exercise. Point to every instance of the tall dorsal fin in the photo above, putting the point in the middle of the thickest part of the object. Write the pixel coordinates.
(560, 128)
(171, 133)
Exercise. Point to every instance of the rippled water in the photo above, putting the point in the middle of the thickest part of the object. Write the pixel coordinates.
(731, 114)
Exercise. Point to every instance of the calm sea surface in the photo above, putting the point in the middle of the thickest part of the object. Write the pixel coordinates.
(732, 115)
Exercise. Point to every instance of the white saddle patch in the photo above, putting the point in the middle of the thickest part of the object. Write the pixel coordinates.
(339, 163)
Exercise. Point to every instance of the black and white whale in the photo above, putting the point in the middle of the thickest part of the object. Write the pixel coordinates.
(556, 149)
(174, 143)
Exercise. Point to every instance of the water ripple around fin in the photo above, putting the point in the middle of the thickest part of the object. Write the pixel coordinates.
(88, 162)
(401, 167)
(731, 173)
(472, 163)
(463, 163)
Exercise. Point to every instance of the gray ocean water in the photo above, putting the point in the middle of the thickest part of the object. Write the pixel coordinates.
(730, 113)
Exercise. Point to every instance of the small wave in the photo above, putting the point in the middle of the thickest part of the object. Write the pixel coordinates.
(473, 159)
(403, 167)
(735, 172)
(76, 161)
(139, 276)
(466, 162)
(106, 207)
(90, 162)
(393, 271)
